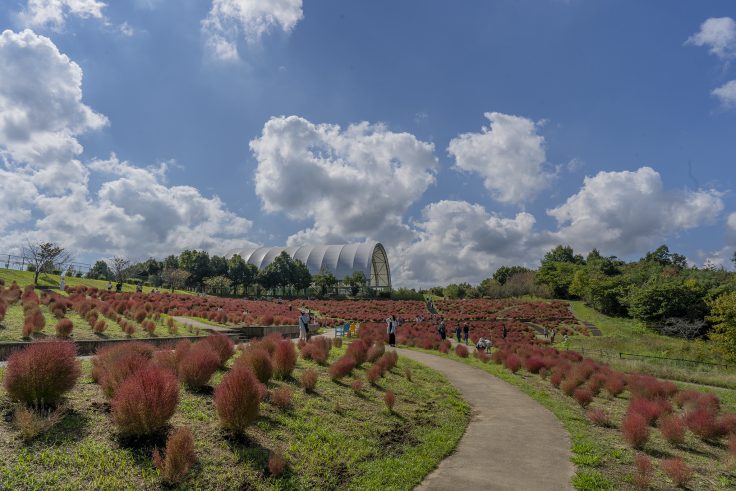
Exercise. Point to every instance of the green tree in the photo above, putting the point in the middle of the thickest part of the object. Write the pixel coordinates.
(218, 266)
(356, 282)
(175, 278)
(325, 281)
(284, 270)
(503, 273)
(723, 317)
(302, 278)
(562, 254)
(268, 278)
(661, 300)
(218, 285)
(171, 262)
(558, 276)
(100, 271)
(45, 257)
(236, 271)
(197, 264)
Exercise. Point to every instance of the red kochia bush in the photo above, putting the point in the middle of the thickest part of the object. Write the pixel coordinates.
(196, 368)
(358, 351)
(281, 397)
(179, 456)
(376, 351)
(342, 367)
(644, 471)
(598, 417)
(461, 351)
(583, 396)
(64, 328)
(112, 365)
(672, 429)
(258, 361)
(222, 345)
(635, 429)
(534, 364)
(237, 400)
(276, 465)
(614, 385)
(40, 374)
(309, 379)
(390, 399)
(512, 362)
(145, 401)
(677, 470)
(373, 373)
(702, 422)
(284, 359)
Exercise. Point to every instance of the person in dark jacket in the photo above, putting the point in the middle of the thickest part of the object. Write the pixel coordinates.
(466, 332)
(458, 330)
(442, 331)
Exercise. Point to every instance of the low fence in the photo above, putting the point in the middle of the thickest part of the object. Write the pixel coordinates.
(620, 355)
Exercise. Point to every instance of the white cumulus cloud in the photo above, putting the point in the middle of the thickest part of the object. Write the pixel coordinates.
(509, 155)
(726, 93)
(230, 20)
(626, 212)
(53, 13)
(45, 189)
(719, 35)
(353, 182)
(459, 241)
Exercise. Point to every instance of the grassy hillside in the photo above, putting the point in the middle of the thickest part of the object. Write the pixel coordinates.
(24, 278)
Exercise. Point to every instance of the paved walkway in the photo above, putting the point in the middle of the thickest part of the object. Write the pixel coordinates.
(511, 443)
(201, 325)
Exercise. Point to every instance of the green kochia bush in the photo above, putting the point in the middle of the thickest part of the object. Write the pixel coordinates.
(40, 374)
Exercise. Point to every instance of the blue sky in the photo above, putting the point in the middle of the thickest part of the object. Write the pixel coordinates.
(217, 124)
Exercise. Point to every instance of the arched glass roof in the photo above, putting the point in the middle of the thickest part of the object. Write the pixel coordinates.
(340, 260)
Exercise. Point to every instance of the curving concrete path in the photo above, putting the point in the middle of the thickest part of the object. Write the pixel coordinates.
(511, 443)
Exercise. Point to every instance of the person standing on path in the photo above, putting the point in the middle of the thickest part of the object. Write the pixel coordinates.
(552, 337)
(504, 331)
(466, 332)
(442, 330)
(545, 332)
(392, 324)
(304, 325)
(457, 332)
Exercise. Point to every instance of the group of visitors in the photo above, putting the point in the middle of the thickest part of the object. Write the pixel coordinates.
(305, 318)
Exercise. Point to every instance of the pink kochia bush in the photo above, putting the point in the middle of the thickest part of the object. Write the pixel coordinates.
(677, 470)
(258, 360)
(222, 345)
(198, 365)
(237, 399)
(179, 456)
(390, 399)
(598, 417)
(284, 359)
(145, 401)
(342, 367)
(112, 365)
(64, 328)
(40, 374)
(461, 351)
(672, 429)
(309, 379)
(512, 362)
(635, 429)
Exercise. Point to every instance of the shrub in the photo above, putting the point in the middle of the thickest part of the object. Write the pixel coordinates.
(461, 350)
(390, 399)
(149, 327)
(513, 363)
(281, 397)
(112, 365)
(197, 367)
(181, 349)
(533, 364)
(258, 361)
(727, 424)
(166, 359)
(342, 367)
(583, 396)
(33, 422)
(635, 429)
(337, 342)
(40, 374)
(3, 309)
(357, 386)
(100, 326)
(672, 429)
(145, 401)
(376, 351)
(270, 342)
(64, 328)
(179, 456)
(702, 422)
(615, 385)
(644, 471)
(309, 379)
(677, 470)
(37, 320)
(358, 351)
(687, 399)
(128, 328)
(598, 417)
(569, 385)
(373, 373)
(237, 400)
(650, 410)
(556, 378)
(315, 352)
(222, 345)
(276, 465)
(407, 373)
(444, 347)
(284, 359)
(732, 445)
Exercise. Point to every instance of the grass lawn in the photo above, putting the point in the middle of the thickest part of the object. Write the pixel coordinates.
(24, 278)
(11, 328)
(603, 459)
(333, 439)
